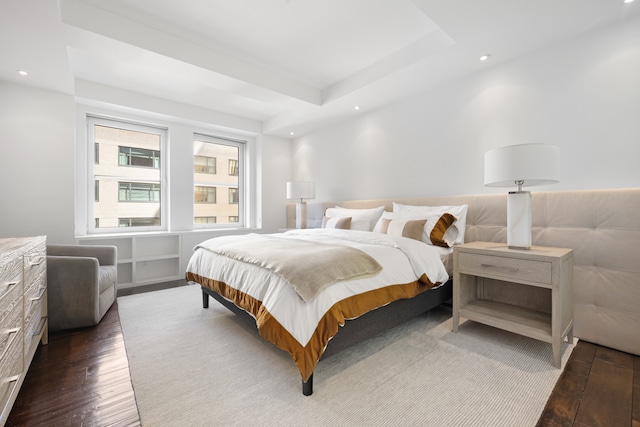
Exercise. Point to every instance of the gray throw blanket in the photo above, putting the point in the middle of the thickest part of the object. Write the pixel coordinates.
(309, 267)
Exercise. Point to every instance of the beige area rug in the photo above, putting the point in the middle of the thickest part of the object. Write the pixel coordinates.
(205, 367)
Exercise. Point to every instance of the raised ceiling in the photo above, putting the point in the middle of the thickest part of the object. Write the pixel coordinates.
(283, 65)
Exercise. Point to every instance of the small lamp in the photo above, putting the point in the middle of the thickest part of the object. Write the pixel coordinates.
(522, 165)
(301, 190)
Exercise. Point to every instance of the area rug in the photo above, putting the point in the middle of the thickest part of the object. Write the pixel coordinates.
(192, 366)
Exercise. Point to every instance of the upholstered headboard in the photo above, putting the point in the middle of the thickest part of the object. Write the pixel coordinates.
(601, 226)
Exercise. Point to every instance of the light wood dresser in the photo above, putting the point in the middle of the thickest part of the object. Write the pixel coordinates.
(23, 312)
(528, 292)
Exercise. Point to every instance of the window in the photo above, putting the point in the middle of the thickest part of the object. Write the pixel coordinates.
(204, 194)
(204, 164)
(138, 222)
(138, 192)
(233, 196)
(205, 220)
(135, 156)
(233, 167)
(127, 175)
(218, 181)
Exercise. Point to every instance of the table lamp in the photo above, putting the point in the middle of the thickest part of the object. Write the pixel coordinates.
(521, 165)
(301, 190)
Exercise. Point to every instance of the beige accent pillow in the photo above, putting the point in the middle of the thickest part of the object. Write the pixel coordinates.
(406, 228)
(459, 212)
(439, 229)
(343, 223)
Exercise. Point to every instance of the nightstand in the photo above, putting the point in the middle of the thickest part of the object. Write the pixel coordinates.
(528, 292)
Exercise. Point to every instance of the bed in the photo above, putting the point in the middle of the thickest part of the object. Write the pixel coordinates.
(315, 292)
(601, 226)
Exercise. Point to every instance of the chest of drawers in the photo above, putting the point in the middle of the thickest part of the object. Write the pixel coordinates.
(23, 312)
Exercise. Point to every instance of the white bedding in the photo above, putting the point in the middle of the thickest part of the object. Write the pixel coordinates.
(403, 260)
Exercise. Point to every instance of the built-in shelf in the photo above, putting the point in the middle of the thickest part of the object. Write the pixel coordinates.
(144, 258)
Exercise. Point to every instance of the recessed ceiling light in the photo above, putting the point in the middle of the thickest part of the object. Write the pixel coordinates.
(23, 72)
(357, 107)
(627, 1)
(485, 57)
(291, 133)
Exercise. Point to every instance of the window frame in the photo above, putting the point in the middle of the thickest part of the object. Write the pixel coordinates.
(162, 132)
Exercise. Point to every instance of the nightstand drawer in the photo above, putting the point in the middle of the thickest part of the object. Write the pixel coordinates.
(504, 268)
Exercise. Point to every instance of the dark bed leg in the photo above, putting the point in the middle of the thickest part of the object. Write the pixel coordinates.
(307, 388)
(205, 299)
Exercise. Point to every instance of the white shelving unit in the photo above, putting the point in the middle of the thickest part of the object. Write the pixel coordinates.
(144, 258)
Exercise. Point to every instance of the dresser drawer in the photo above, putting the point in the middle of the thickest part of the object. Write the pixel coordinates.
(35, 270)
(505, 268)
(11, 369)
(11, 305)
(33, 315)
(10, 328)
(10, 337)
(10, 276)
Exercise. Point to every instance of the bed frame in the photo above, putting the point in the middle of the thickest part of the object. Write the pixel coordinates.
(363, 327)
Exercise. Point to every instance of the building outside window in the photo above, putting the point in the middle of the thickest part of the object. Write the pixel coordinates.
(218, 183)
(127, 175)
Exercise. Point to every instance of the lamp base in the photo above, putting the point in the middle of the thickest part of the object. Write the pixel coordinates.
(519, 220)
(301, 214)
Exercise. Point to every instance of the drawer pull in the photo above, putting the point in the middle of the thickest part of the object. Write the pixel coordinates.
(42, 323)
(511, 269)
(10, 284)
(39, 297)
(9, 333)
(37, 261)
(12, 331)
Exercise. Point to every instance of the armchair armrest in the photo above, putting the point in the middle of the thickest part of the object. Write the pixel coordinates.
(105, 254)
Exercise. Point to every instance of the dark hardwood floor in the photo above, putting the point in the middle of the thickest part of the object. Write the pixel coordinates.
(598, 387)
(81, 378)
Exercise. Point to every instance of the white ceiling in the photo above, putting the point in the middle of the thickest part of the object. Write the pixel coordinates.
(287, 65)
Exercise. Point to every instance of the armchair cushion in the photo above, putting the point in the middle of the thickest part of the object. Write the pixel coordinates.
(82, 284)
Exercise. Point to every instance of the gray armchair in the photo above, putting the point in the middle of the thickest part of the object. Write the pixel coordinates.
(81, 282)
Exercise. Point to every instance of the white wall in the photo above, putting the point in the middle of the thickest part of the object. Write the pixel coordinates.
(582, 95)
(36, 163)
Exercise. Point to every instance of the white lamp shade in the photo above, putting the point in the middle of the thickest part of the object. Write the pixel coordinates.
(533, 164)
(301, 190)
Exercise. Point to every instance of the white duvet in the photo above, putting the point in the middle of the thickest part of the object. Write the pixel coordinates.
(403, 261)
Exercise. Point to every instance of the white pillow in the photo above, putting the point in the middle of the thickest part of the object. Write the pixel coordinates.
(439, 230)
(460, 212)
(361, 219)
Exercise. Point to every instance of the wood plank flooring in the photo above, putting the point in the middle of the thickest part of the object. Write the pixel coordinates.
(81, 378)
(599, 387)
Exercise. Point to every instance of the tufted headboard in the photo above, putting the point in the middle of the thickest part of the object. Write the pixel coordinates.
(601, 226)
